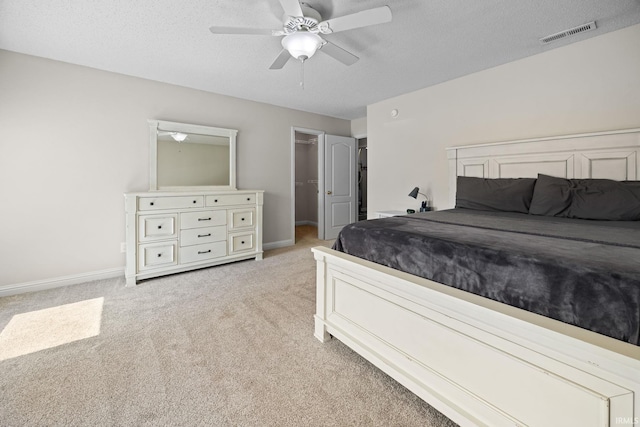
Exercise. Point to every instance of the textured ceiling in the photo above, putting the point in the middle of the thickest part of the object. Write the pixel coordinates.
(428, 42)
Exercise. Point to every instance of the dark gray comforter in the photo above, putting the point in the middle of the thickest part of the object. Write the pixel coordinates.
(585, 273)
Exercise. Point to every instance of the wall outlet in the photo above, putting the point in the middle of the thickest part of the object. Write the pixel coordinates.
(123, 247)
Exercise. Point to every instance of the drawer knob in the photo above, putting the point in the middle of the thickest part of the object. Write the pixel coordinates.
(248, 199)
(159, 255)
(242, 242)
(151, 203)
(215, 201)
(242, 219)
(194, 201)
(159, 227)
(204, 252)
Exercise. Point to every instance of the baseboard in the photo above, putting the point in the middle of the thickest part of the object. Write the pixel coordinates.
(276, 245)
(56, 282)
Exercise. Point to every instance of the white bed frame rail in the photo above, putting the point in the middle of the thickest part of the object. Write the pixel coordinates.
(478, 361)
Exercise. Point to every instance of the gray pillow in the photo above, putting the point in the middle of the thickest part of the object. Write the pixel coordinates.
(499, 194)
(602, 199)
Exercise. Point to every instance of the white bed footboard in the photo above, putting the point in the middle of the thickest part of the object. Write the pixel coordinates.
(477, 361)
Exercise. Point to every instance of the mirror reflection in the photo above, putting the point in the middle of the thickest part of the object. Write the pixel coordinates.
(191, 157)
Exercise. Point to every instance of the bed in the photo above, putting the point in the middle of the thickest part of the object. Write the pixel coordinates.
(563, 354)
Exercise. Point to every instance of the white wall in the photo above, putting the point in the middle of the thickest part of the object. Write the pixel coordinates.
(359, 127)
(593, 85)
(74, 139)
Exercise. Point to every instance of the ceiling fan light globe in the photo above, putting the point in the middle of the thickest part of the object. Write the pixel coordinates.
(302, 43)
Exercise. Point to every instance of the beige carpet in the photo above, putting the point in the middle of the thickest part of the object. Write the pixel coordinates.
(41, 329)
(223, 346)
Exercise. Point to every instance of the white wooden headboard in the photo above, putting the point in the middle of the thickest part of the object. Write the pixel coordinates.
(611, 155)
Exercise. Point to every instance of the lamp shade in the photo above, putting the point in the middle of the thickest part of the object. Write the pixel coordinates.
(414, 193)
(302, 44)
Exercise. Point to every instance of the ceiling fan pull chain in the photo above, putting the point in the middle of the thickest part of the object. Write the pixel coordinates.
(302, 74)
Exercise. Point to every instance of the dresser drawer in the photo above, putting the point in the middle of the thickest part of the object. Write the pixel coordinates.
(230, 199)
(202, 219)
(203, 252)
(242, 242)
(198, 236)
(173, 202)
(157, 255)
(157, 227)
(242, 218)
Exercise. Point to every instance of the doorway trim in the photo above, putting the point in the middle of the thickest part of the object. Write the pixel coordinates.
(320, 134)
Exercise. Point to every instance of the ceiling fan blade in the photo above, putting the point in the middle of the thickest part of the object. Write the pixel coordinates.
(339, 53)
(378, 15)
(246, 31)
(291, 7)
(281, 60)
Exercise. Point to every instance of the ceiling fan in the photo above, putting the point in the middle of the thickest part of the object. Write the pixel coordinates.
(302, 26)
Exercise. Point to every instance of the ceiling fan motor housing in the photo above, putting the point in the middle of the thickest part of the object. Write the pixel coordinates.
(309, 20)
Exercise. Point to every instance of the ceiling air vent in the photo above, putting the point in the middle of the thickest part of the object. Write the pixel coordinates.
(570, 32)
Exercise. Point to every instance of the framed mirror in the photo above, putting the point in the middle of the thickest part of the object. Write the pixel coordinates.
(191, 157)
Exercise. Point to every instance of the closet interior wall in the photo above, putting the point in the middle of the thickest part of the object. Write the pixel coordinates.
(306, 153)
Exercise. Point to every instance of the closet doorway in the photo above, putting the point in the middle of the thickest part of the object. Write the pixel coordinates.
(323, 182)
(362, 178)
(306, 184)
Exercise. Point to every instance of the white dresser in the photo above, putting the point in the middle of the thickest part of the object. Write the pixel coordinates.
(171, 232)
